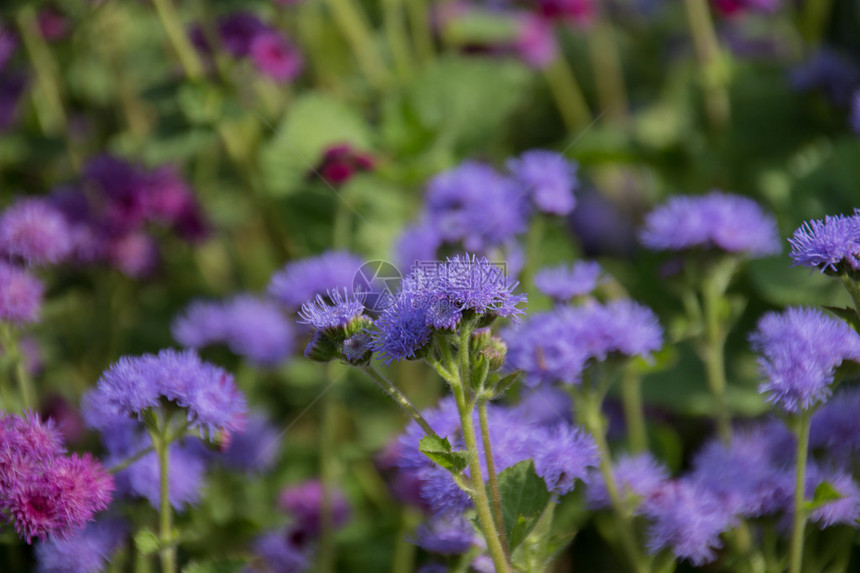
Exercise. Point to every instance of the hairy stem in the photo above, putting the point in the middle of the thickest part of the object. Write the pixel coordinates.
(328, 478)
(495, 496)
(395, 394)
(712, 352)
(799, 491)
(161, 442)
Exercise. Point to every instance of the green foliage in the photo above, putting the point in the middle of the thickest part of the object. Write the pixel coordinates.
(439, 450)
(524, 498)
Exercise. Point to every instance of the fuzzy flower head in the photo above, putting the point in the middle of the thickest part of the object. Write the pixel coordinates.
(563, 283)
(20, 295)
(686, 519)
(337, 312)
(836, 425)
(638, 477)
(85, 551)
(550, 179)
(446, 534)
(830, 244)
(842, 511)
(304, 501)
(566, 456)
(800, 351)
(475, 206)
(300, 281)
(35, 231)
(134, 384)
(718, 220)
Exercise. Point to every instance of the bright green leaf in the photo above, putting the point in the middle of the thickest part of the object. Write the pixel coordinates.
(524, 497)
(146, 541)
(439, 450)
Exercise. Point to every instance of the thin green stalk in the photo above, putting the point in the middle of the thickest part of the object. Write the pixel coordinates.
(48, 97)
(12, 350)
(711, 61)
(161, 443)
(814, 21)
(591, 417)
(712, 352)
(358, 33)
(533, 251)
(607, 68)
(398, 40)
(118, 467)
(496, 497)
(395, 394)
(342, 223)
(634, 416)
(479, 492)
(422, 33)
(328, 478)
(179, 39)
(799, 491)
(567, 94)
(403, 557)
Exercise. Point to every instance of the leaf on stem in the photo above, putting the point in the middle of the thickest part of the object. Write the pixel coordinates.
(524, 497)
(439, 450)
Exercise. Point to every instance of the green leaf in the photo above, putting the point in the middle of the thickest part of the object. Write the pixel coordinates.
(825, 493)
(439, 450)
(524, 498)
(215, 566)
(146, 541)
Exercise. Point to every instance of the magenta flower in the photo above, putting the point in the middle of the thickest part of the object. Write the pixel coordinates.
(275, 56)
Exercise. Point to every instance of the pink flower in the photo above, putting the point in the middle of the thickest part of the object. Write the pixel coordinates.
(275, 56)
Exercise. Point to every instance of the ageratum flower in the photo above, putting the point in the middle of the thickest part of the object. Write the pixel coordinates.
(836, 425)
(300, 281)
(557, 346)
(687, 519)
(718, 220)
(637, 477)
(84, 551)
(446, 534)
(855, 112)
(832, 244)
(35, 231)
(303, 502)
(436, 297)
(564, 282)
(20, 295)
(827, 71)
(801, 349)
(549, 178)
(842, 511)
(137, 383)
(280, 551)
(417, 243)
(187, 468)
(255, 448)
(253, 328)
(337, 312)
(476, 206)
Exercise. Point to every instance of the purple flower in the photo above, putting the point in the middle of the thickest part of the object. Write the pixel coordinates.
(564, 283)
(637, 477)
(12, 88)
(401, 330)
(417, 243)
(279, 553)
(579, 12)
(826, 244)
(255, 448)
(836, 425)
(35, 231)
(257, 330)
(8, 44)
(565, 456)
(744, 474)
(557, 346)
(545, 405)
(26, 444)
(300, 281)
(135, 384)
(303, 502)
(474, 205)
(855, 112)
(20, 295)
(549, 178)
(830, 72)
(275, 56)
(731, 223)
(446, 534)
(842, 511)
(686, 519)
(340, 162)
(801, 349)
(186, 470)
(85, 551)
(337, 312)
(238, 32)
(535, 43)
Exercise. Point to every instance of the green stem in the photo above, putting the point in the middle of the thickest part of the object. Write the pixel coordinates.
(713, 351)
(48, 97)
(533, 251)
(421, 31)
(814, 21)
(711, 61)
(853, 290)
(799, 492)
(631, 399)
(116, 468)
(403, 557)
(567, 94)
(179, 39)
(342, 222)
(479, 492)
(328, 478)
(161, 442)
(496, 497)
(608, 71)
(13, 352)
(591, 417)
(395, 394)
(398, 40)
(357, 32)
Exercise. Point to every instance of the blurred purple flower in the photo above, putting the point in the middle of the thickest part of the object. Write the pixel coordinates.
(842, 511)
(549, 178)
(20, 295)
(303, 502)
(419, 242)
(300, 281)
(536, 43)
(836, 425)
(85, 551)
(53, 24)
(255, 448)
(801, 349)
(719, 220)
(446, 534)
(563, 283)
(828, 71)
(12, 87)
(638, 477)
(35, 231)
(279, 553)
(275, 56)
